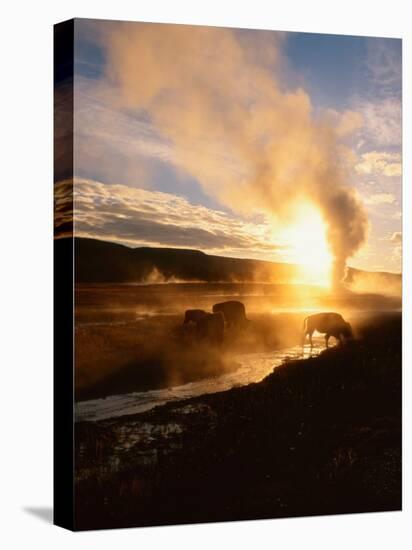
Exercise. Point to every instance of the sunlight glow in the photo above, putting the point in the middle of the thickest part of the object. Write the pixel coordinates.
(306, 237)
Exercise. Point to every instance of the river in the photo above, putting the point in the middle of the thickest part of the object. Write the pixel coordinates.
(252, 367)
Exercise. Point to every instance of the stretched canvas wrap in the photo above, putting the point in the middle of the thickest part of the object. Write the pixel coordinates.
(227, 274)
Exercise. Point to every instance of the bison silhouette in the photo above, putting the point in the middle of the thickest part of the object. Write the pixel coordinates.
(194, 315)
(211, 328)
(234, 312)
(329, 324)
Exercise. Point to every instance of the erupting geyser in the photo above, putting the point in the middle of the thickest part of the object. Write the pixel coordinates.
(252, 143)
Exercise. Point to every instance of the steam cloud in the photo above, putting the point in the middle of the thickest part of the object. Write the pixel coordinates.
(218, 96)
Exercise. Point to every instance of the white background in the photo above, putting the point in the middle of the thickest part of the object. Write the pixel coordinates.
(26, 272)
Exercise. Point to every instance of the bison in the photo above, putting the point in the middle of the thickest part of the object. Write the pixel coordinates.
(194, 315)
(211, 327)
(234, 312)
(329, 324)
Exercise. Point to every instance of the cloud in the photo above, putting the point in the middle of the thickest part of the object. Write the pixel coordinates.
(111, 143)
(396, 237)
(375, 162)
(382, 122)
(139, 217)
(345, 122)
(379, 199)
(384, 66)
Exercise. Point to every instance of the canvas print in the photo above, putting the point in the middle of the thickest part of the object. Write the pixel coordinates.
(228, 237)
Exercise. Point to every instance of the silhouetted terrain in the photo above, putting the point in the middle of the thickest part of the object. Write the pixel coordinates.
(103, 262)
(100, 262)
(318, 436)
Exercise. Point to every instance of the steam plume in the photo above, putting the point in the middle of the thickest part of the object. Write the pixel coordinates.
(218, 96)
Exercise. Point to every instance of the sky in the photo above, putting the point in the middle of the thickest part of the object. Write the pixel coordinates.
(211, 139)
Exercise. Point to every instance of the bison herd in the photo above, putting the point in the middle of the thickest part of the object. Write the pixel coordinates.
(210, 327)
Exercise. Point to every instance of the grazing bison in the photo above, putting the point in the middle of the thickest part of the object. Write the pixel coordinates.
(193, 315)
(329, 324)
(211, 327)
(234, 312)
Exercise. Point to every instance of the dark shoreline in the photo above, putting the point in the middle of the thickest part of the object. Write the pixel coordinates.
(317, 436)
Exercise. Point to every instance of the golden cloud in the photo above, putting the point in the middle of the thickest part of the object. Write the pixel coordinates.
(380, 198)
(375, 162)
(140, 217)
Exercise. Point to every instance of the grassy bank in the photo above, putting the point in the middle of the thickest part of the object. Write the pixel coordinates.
(318, 436)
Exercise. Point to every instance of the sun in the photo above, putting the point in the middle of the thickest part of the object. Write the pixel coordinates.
(307, 244)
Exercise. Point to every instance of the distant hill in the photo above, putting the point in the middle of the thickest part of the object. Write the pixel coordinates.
(104, 262)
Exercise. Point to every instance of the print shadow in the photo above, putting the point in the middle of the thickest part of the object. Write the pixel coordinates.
(43, 513)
